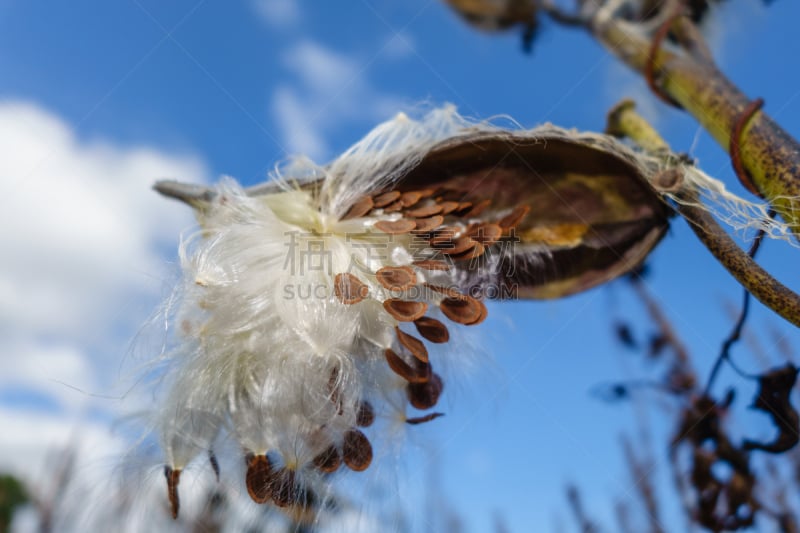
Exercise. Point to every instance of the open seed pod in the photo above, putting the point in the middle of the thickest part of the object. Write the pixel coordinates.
(295, 355)
(585, 207)
(592, 216)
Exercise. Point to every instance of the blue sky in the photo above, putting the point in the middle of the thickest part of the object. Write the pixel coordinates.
(100, 99)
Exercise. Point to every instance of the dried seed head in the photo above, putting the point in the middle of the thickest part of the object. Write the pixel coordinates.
(284, 293)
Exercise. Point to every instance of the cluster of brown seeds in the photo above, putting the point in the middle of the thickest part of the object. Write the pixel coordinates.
(423, 215)
(265, 482)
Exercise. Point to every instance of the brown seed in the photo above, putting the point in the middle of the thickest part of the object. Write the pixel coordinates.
(425, 225)
(173, 479)
(284, 488)
(425, 211)
(329, 460)
(425, 395)
(382, 200)
(259, 478)
(397, 227)
(412, 344)
(365, 415)
(357, 450)
(422, 419)
(463, 209)
(432, 330)
(486, 233)
(403, 310)
(396, 278)
(410, 198)
(443, 237)
(482, 317)
(349, 289)
(475, 251)
(513, 219)
(458, 246)
(426, 193)
(431, 264)
(394, 207)
(360, 207)
(464, 310)
(418, 374)
(477, 209)
(448, 207)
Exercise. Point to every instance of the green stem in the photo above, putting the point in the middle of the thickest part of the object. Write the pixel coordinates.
(624, 121)
(769, 154)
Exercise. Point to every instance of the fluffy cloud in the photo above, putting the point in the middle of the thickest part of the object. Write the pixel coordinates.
(329, 88)
(85, 244)
(79, 223)
(83, 238)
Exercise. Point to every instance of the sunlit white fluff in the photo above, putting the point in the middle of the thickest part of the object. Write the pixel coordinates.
(264, 354)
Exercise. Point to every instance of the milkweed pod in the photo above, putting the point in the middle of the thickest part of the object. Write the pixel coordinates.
(579, 206)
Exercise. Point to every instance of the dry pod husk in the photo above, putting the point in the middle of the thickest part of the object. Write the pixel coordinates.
(283, 357)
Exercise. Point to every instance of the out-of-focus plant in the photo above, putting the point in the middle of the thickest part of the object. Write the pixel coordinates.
(411, 228)
(13, 495)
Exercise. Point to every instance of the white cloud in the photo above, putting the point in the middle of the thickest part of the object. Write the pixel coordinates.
(278, 13)
(84, 243)
(83, 238)
(330, 89)
(79, 222)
